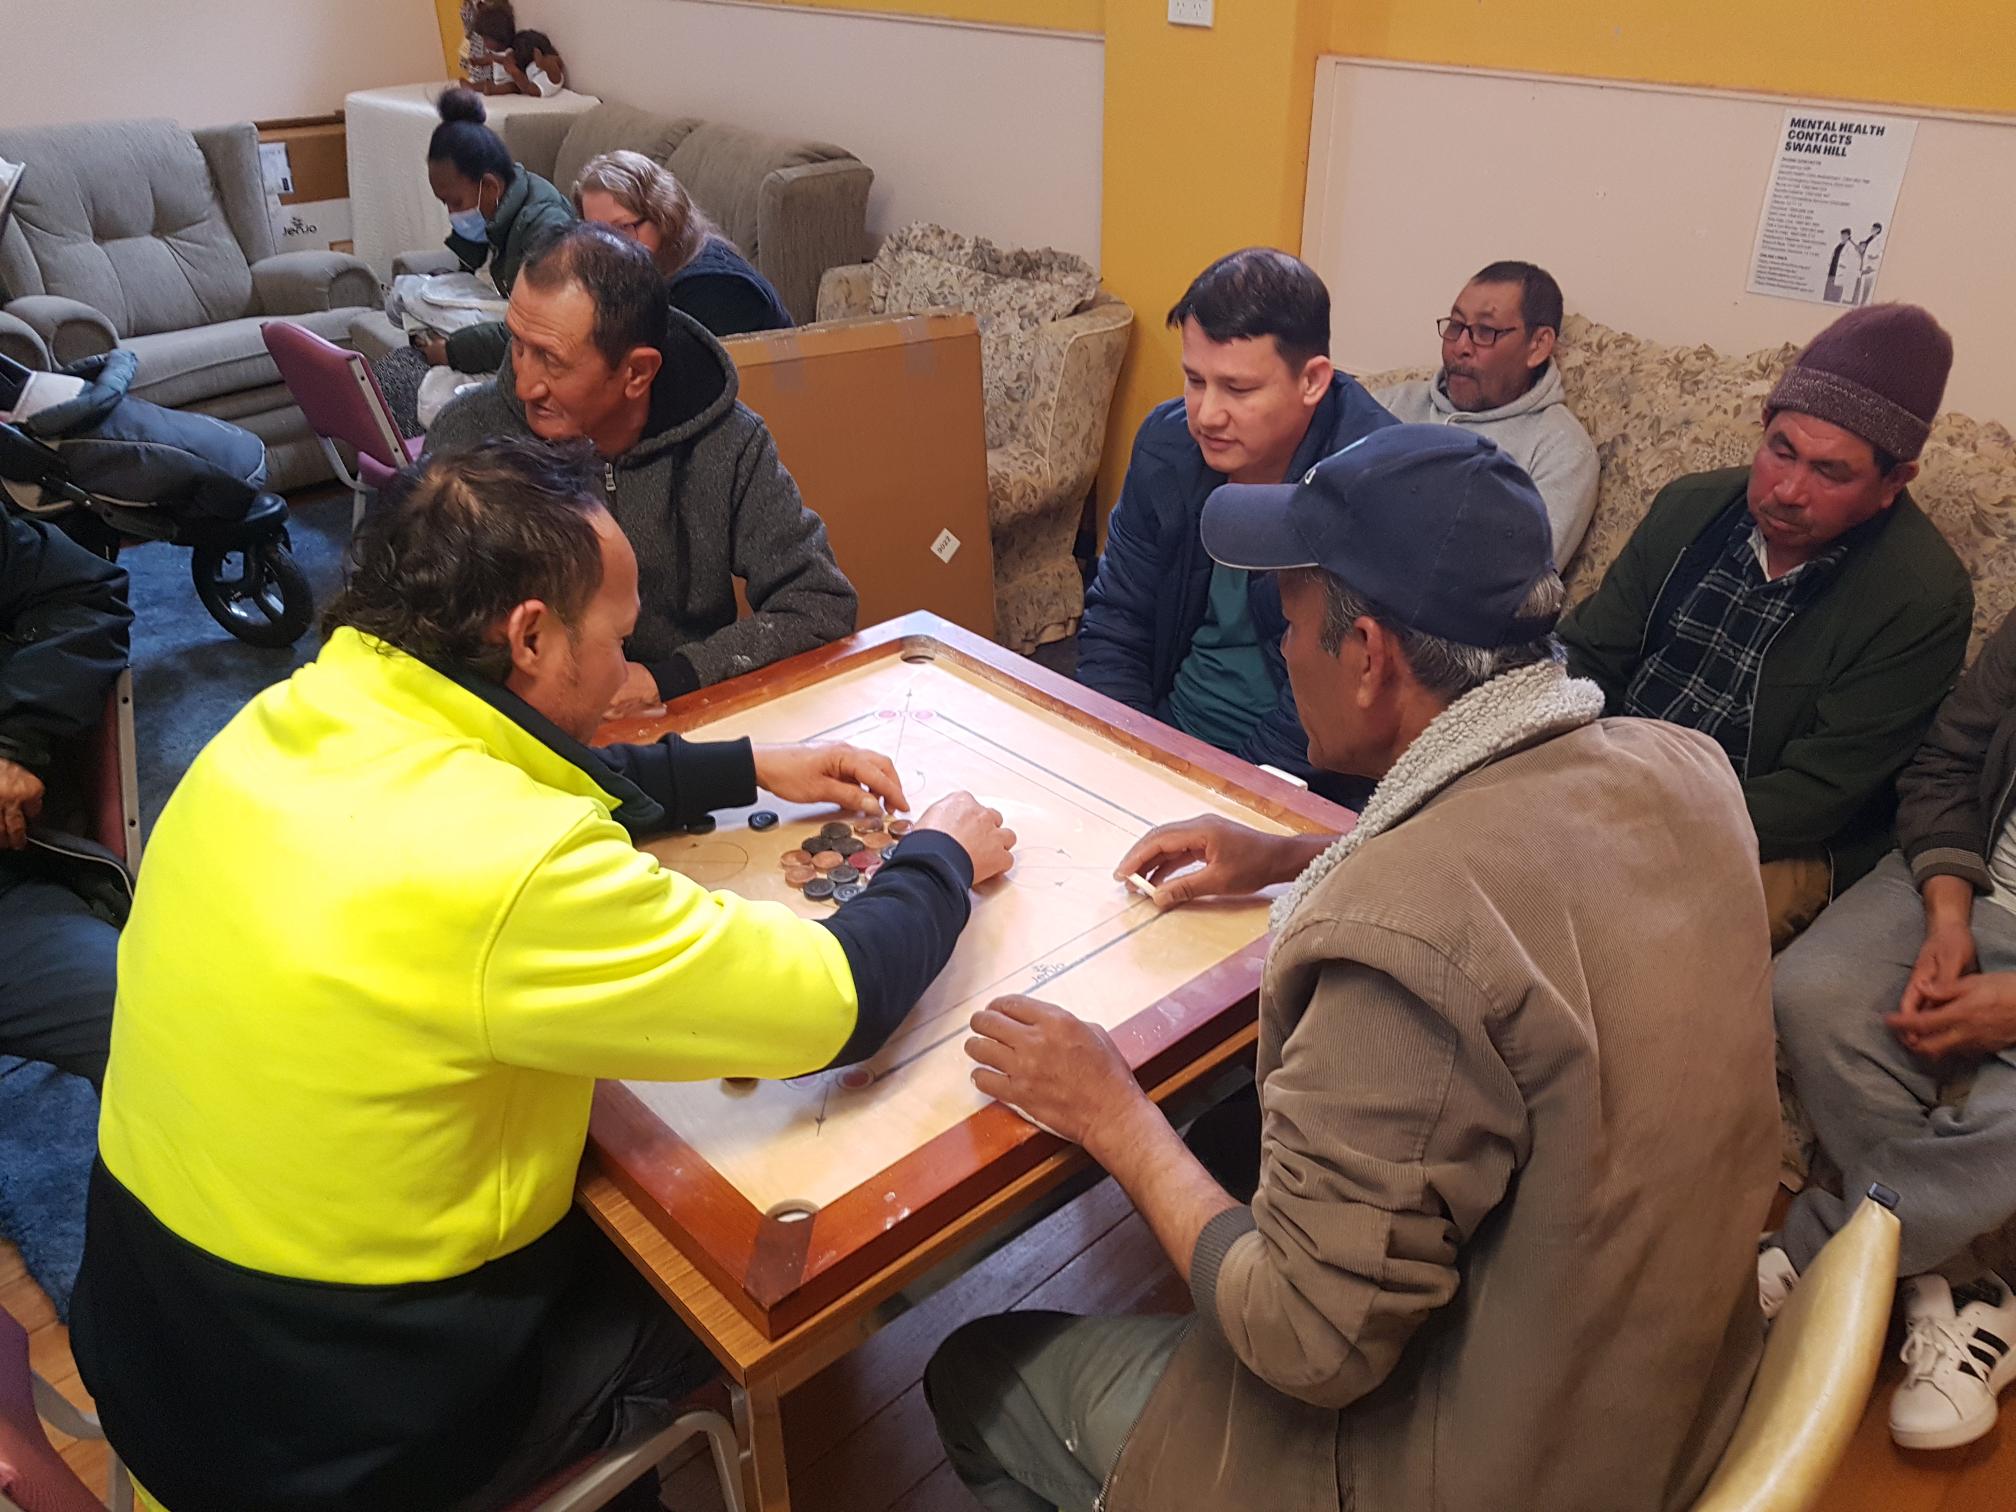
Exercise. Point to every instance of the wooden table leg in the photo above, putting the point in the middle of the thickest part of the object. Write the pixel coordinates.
(759, 1426)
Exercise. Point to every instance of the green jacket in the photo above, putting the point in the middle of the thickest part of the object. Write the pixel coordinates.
(530, 211)
(1847, 688)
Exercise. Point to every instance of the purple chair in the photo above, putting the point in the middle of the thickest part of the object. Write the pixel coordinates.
(342, 400)
(33, 1477)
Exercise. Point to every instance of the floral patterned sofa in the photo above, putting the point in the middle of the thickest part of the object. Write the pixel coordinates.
(1051, 343)
(1656, 412)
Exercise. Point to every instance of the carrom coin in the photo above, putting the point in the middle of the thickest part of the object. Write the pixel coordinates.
(795, 858)
(843, 876)
(704, 825)
(849, 846)
(762, 819)
(899, 826)
(826, 861)
(857, 1079)
(846, 892)
(798, 876)
(876, 839)
(818, 843)
(869, 826)
(867, 863)
(837, 830)
(819, 890)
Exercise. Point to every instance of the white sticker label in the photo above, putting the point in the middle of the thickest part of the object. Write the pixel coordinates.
(946, 546)
(275, 169)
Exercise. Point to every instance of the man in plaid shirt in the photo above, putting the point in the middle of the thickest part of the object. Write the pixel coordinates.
(1801, 611)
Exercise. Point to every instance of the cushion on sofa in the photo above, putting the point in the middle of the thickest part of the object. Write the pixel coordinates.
(124, 216)
(183, 367)
(1010, 292)
(606, 128)
(723, 167)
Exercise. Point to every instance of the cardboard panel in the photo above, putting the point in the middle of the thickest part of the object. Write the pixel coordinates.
(880, 422)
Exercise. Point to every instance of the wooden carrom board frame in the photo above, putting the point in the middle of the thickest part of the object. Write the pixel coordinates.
(779, 1273)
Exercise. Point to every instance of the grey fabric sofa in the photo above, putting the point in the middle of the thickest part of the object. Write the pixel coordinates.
(146, 235)
(794, 207)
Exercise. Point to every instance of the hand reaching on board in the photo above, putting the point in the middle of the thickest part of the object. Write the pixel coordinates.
(638, 694)
(1059, 1072)
(1236, 861)
(988, 843)
(863, 781)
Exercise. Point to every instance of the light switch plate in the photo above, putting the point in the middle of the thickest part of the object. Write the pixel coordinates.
(1190, 12)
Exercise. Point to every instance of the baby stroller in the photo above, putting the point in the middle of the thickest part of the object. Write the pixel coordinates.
(108, 469)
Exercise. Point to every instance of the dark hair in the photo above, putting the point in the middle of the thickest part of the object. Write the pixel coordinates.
(619, 276)
(460, 539)
(526, 43)
(464, 141)
(1259, 291)
(1539, 295)
(495, 22)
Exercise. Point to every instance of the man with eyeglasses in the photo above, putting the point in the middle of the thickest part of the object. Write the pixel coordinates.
(1801, 611)
(1499, 378)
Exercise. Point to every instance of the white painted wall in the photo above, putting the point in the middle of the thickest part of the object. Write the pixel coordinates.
(207, 62)
(984, 129)
(1641, 200)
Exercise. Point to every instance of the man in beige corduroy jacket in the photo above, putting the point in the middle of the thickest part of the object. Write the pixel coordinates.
(1517, 1110)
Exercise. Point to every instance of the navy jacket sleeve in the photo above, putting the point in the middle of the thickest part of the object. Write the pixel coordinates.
(899, 933)
(689, 779)
(1116, 640)
(64, 624)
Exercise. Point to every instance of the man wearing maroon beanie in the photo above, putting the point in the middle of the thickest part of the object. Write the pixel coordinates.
(1802, 611)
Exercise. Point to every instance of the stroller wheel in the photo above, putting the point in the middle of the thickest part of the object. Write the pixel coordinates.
(257, 591)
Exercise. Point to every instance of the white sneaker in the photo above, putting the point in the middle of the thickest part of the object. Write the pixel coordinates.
(1775, 1280)
(1957, 1359)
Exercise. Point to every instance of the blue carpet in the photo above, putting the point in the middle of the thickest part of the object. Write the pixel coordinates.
(48, 1129)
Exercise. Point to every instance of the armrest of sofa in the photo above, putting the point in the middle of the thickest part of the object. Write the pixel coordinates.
(294, 283)
(70, 329)
(21, 342)
(1076, 369)
(808, 219)
(534, 138)
(434, 260)
(844, 291)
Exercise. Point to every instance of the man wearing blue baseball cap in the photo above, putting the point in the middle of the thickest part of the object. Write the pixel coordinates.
(1517, 1117)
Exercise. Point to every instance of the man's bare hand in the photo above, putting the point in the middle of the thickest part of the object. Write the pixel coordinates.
(1978, 1018)
(844, 775)
(988, 843)
(20, 803)
(638, 694)
(1052, 1066)
(1237, 861)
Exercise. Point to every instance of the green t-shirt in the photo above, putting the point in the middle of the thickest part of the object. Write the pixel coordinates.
(1222, 688)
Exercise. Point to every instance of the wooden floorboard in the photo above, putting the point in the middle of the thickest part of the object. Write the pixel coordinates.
(860, 1436)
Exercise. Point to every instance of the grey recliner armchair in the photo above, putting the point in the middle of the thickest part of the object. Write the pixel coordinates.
(146, 235)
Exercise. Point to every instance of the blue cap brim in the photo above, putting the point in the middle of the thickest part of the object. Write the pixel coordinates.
(1252, 526)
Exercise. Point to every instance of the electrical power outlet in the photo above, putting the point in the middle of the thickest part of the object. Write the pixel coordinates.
(1189, 12)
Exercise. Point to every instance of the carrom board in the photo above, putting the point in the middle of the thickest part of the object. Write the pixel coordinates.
(785, 1194)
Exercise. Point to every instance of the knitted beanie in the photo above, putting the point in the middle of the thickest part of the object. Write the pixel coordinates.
(1878, 372)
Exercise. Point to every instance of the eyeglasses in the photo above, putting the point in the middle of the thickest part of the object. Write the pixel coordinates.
(1451, 329)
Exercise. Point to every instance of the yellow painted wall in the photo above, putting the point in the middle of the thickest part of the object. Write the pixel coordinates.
(1206, 151)
(449, 14)
(1950, 53)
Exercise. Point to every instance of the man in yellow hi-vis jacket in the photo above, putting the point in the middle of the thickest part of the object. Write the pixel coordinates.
(391, 927)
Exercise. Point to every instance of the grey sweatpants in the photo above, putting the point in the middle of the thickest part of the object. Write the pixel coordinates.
(1874, 1104)
(1034, 1407)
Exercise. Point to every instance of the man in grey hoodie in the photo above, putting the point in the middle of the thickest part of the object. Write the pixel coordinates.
(1500, 379)
(689, 473)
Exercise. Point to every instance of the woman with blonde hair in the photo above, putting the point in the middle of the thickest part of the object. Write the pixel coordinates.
(706, 277)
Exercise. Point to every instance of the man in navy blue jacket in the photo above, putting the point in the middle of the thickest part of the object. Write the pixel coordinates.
(1197, 644)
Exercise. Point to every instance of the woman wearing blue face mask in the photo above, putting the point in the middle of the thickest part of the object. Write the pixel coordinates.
(497, 213)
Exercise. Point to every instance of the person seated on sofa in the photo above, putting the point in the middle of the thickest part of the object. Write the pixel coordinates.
(1193, 642)
(1802, 610)
(691, 475)
(1908, 981)
(498, 211)
(1493, 1098)
(64, 626)
(704, 274)
(1499, 378)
